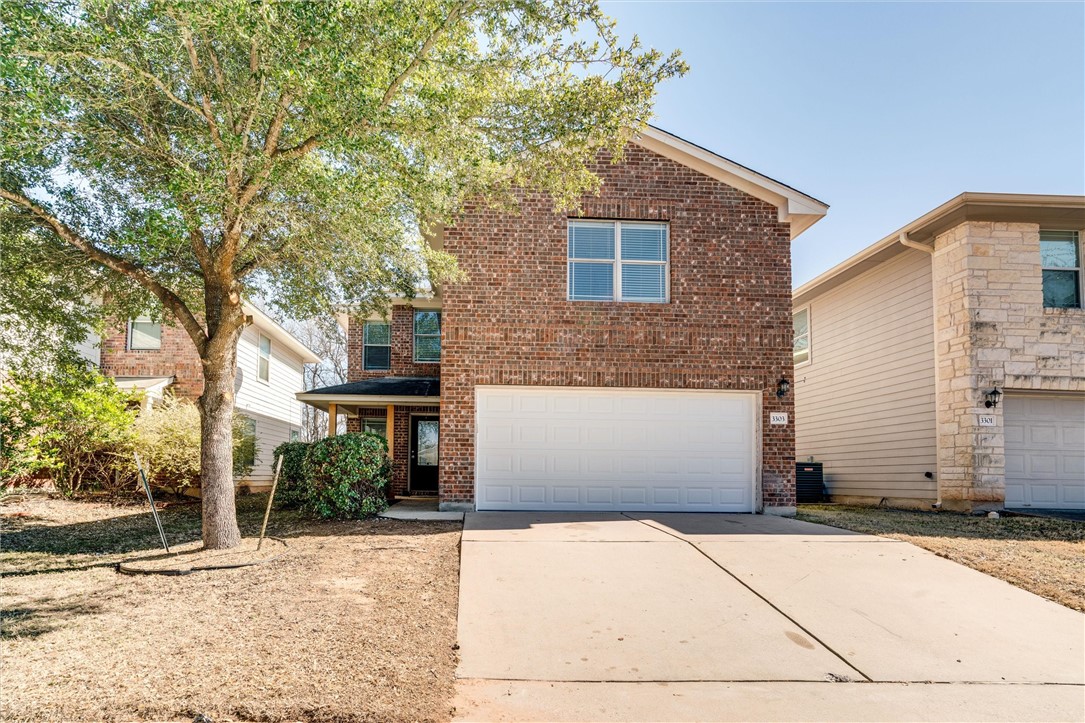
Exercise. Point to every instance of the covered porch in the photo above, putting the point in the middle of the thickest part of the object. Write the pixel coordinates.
(403, 410)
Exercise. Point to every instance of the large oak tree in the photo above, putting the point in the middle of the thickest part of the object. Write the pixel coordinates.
(195, 154)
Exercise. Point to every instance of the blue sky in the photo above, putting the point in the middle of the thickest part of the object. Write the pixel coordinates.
(882, 110)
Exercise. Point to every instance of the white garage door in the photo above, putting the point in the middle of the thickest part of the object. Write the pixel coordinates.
(576, 448)
(1045, 451)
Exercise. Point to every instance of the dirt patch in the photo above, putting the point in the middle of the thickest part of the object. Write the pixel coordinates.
(356, 623)
(1042, 555)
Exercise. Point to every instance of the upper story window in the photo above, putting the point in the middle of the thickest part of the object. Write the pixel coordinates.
(144, 334)
(427, 337)
(1060, 256)
(801, 348)
(263, 365)
(618, 261)
(376, 346)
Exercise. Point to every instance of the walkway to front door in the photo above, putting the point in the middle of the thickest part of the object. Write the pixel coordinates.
(425, 444)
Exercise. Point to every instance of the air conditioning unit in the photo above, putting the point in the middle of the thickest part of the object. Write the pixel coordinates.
(810, 482)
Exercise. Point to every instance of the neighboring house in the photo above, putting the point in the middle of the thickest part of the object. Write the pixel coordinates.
(626, 358)
(154, 357)
(945, 364)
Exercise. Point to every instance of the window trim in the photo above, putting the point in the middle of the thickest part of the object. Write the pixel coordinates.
(618, 262)
(415, 335)
(365, 366)
(260, 357)
(1080, 268)
(809, 336)
(142, 320)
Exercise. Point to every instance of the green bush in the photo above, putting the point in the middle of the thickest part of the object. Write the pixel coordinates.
(346, 475)
(290, 493)
(75, 427)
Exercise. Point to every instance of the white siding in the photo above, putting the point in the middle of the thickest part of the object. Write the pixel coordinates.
(865, 404)
(271, 404)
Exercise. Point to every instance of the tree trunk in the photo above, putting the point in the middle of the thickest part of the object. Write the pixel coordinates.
(216, 404)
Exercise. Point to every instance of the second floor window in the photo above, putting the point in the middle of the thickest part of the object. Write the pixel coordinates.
(376, 346)
(263, 365)
(427, 337)
(801, 349)
(144, 334)
(1060, 256)
(618, 261)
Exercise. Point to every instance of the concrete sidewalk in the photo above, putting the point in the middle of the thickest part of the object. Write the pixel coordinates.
(743, 617)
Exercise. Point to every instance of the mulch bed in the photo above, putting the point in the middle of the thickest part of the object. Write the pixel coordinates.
(1042, 555)
(356, 622)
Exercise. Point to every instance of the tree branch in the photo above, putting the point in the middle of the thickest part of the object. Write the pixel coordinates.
(169, 299)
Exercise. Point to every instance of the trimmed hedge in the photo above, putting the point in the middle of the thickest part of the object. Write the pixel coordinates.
(291, 491)
(346, 475)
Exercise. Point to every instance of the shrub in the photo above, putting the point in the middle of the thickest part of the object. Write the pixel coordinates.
(167, 438)
(290, 493)
(75, 426)
(346, 475)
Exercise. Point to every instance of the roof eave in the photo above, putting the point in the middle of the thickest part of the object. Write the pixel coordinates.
(799, 210)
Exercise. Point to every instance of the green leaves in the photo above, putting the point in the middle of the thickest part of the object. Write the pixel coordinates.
(346, 475)
(299, 150)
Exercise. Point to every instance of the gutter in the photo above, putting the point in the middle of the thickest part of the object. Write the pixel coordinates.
(905, 241)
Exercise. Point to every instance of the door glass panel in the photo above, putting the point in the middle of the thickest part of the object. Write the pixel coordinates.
(427, 443)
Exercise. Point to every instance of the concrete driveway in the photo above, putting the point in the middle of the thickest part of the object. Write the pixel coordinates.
(746, 617)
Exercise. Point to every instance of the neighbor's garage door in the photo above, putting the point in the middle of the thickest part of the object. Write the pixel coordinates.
(1045, 451)
(575, 448)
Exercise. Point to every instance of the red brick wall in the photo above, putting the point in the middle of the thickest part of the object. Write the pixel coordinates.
(401, 442)
(403, 365)
(727, 325)
(177, 358)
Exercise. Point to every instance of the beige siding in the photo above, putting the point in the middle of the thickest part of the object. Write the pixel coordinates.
(865, 404)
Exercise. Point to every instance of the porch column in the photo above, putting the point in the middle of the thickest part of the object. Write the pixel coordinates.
(333, 420)
(390, 429)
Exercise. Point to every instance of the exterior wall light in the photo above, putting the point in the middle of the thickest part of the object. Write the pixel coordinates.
(782, 388)
(991, 398)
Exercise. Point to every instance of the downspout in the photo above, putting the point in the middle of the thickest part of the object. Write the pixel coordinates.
(905, 241)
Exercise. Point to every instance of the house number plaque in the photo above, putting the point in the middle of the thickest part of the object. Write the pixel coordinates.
(777, 417)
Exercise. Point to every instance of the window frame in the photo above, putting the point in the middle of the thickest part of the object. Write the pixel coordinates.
(809, 336)
(260, 357)
(617, 262)
(366, 344)
(382, 421)
(1079, 269)
(249, 424)
(143, 320)
(415, 335)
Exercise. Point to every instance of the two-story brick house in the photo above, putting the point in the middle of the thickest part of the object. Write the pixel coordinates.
(945, 364)
(142, 354)
(634, 356)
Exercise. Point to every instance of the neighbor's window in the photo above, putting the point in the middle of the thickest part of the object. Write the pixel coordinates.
(375, 425)
(263, 369)
(801, 349)
(144, 334)
(246, 446)
(1060, 255)
(618, 260)
(427, 336)
(377, 346)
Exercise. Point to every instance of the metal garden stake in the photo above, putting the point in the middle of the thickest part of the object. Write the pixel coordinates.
(150, 500)
(267, 512)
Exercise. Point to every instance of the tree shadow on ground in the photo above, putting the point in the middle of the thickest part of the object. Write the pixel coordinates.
(30, 541)
(43, 615)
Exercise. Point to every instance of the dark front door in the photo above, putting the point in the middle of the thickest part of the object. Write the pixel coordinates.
(424, 446)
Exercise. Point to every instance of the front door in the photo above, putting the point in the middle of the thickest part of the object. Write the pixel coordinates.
(424, 446)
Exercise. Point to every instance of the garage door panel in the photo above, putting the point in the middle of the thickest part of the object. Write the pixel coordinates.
(572, 448)
(1045, 451)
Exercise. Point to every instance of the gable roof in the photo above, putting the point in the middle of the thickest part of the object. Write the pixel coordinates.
(1052, 211)
(275, 331)
(796, 208)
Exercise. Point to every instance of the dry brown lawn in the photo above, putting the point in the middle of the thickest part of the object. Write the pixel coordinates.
(357, 622)
(1042, 555)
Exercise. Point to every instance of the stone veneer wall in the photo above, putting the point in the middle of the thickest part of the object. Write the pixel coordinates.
(993, 330)
(727, 325)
